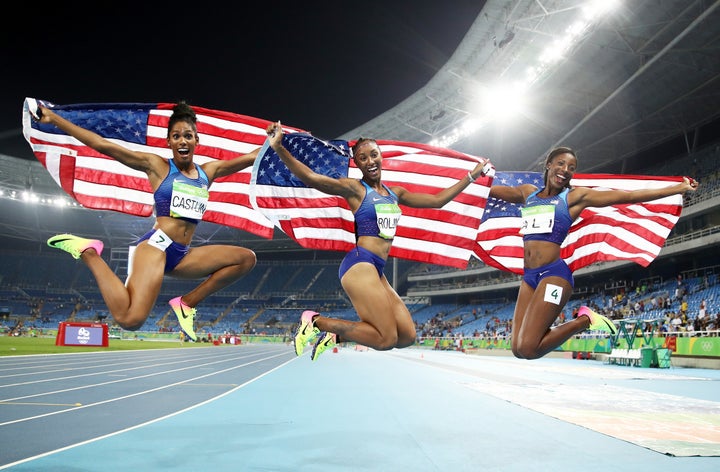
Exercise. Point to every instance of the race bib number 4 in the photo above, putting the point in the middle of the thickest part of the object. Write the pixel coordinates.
(537, 219)
(553, 294)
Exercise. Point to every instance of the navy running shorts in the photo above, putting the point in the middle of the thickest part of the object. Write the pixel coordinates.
(173, 254)
(359, 254)
(558, 268)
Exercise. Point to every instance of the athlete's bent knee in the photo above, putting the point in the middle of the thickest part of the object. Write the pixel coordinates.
(129, 326)
(246, 262)
(523, 352)
(406, 341)
(383, 347)
(251, 258)
(130, 322)
(386, 343)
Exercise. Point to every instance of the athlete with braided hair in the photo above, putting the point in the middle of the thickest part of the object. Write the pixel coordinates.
(180, 189)
(547, 281)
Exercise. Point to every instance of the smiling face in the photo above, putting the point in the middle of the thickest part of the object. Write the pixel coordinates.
(560, 168)
(182, 139)
(368, 158)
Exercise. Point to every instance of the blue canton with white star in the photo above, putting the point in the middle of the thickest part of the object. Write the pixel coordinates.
(496, 208)
(329, 158)
(122, 121)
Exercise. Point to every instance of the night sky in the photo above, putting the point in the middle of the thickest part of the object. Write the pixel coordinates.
(326, 67)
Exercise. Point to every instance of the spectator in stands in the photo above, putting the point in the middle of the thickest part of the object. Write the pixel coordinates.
(697, 326)
(679, 288)
(165, 249)
(714, 324)
(547, 282)
(676, 322)
(702, 309)
(385, 322)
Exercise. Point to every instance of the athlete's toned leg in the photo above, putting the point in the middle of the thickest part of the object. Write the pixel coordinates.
(535, 337)
(129, 303)
(377, 328)
(223, 264)
(525, 294)
(404, 324)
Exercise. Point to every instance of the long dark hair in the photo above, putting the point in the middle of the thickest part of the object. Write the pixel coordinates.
(182, 112)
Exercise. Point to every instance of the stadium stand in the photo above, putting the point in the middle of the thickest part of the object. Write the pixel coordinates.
(39, 289)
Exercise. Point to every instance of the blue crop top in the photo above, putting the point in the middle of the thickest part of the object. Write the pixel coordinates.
(546, 219)
(377, 215)
(182, 197)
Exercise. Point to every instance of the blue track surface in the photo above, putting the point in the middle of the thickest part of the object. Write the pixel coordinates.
(261, 408)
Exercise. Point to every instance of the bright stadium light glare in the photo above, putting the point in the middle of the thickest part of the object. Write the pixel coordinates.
(505, 103)
(556, 50)
(470, 125)
(597, 8)
(577, 28)
(531, 75)
(30, 197)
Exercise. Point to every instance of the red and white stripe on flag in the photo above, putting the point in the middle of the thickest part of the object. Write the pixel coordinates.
(316, 220)
(99, 182)
(443, 236)
(633, 232)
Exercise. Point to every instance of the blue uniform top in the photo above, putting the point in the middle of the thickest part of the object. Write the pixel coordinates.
(182, 197)
(377, 215)
(553, 227)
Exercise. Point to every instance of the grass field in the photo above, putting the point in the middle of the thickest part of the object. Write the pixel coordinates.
(19, 345)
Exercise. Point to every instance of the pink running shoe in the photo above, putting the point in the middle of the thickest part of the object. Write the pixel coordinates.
(185, 316)
(305, 331)
(75, 245)
(597, 321)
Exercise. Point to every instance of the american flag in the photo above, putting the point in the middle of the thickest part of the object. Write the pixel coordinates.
(99, 182)
(444, 236)
(634, 232)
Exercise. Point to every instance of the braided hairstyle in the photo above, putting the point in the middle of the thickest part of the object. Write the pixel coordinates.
(551, 155)
(360, 141)
(182, 112)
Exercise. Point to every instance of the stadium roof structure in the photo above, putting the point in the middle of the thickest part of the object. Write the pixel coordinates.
(645, 74)
(642, 74)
